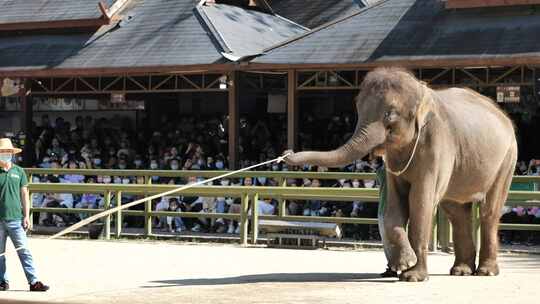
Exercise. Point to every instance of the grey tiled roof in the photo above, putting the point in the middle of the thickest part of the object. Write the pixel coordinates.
(243, 32)
(159, 33)
(415, 30)
(312, 13)
(15, 11)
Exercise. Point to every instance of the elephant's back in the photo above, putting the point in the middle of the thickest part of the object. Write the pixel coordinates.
(469, 108)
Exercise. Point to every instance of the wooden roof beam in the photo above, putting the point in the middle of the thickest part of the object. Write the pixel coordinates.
(452, 4)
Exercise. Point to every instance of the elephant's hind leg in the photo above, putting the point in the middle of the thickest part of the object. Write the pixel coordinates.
(490, 212)
(460, 217)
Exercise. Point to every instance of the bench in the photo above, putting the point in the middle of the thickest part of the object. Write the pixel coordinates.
(298, 235)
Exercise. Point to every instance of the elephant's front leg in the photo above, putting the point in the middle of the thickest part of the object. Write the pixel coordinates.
(421, 205)
(400, 254)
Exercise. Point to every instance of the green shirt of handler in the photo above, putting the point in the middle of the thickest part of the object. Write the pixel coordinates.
(10, 193)
(381, 178)
(14, 216)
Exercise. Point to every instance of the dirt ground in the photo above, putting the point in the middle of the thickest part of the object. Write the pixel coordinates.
(133, 272)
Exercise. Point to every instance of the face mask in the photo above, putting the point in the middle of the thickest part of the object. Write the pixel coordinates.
(125, 181)
(107, 180)
(121, 167)
(137, 163)
(262, 180)
(153, 166)
(174, 167)
(219, 165)
(369, 183)
(275, 168)
(225, 182)
(356, 184)
(6, 157)
(117, 180)
(229, 201)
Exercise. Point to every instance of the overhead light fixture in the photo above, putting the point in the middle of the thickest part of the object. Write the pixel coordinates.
(223, 82)
(332, 79)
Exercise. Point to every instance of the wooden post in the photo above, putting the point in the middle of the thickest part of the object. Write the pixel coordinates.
(118, 214)
(147, 210)
(28, 110)
(292, 110)
(233, 86)
(282, 205)
(107, 206)
(255, 219)
(244, 220)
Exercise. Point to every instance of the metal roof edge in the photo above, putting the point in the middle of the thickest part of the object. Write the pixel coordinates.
(323, 26)
(213, 30)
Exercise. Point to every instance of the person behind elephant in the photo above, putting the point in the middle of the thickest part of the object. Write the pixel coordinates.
(381, 178)
(437, 153)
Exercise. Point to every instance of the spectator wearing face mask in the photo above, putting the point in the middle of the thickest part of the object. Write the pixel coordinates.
(220, 164)
(312, 207)
(138, 163)
(174, 223)
(163, 205)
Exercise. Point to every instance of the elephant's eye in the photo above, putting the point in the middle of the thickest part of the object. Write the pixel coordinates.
(389, 115)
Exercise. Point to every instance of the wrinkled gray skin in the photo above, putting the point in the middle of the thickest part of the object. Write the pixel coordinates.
(466, 153)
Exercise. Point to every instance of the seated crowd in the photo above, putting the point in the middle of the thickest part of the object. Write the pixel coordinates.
(201, 144)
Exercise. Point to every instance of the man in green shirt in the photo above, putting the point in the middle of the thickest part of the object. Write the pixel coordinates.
(14, 216)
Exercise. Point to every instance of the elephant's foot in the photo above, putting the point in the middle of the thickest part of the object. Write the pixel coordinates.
(487, 269)
(415, 274)
(405, 259)
(462, 269)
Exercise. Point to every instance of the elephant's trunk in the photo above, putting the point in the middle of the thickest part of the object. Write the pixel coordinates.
(364, 139)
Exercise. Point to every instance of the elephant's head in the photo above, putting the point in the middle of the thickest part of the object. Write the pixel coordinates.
(391, 106)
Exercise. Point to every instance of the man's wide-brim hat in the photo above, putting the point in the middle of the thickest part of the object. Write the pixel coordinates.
(5, 144)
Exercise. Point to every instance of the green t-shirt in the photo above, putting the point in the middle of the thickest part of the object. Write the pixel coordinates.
(381, 178)
(11, 183)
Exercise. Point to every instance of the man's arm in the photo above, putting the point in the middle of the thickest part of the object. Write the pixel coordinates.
(25, 202)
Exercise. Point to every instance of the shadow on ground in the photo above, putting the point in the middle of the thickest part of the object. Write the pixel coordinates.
(278, 278)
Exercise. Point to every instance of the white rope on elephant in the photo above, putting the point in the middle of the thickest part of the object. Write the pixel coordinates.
(398, 173)
(149, 198)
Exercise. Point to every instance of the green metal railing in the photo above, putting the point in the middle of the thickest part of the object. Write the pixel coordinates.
(249, 197)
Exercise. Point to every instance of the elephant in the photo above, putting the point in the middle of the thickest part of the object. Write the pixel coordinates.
(450, 148)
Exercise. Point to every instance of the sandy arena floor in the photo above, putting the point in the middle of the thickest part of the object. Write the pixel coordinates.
(157, 272)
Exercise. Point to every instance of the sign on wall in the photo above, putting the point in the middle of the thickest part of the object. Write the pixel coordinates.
(508, 94)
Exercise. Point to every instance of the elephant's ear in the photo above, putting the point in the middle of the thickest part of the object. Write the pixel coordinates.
(424, 108)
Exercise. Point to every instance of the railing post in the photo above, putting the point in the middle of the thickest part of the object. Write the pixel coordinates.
(107, 206)
(255, 219)
(476, 226)
(244, 220)
(30, 212)
(118, 214)
(282, 206)
(147, 210)
(444, 231)
(434, 231)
